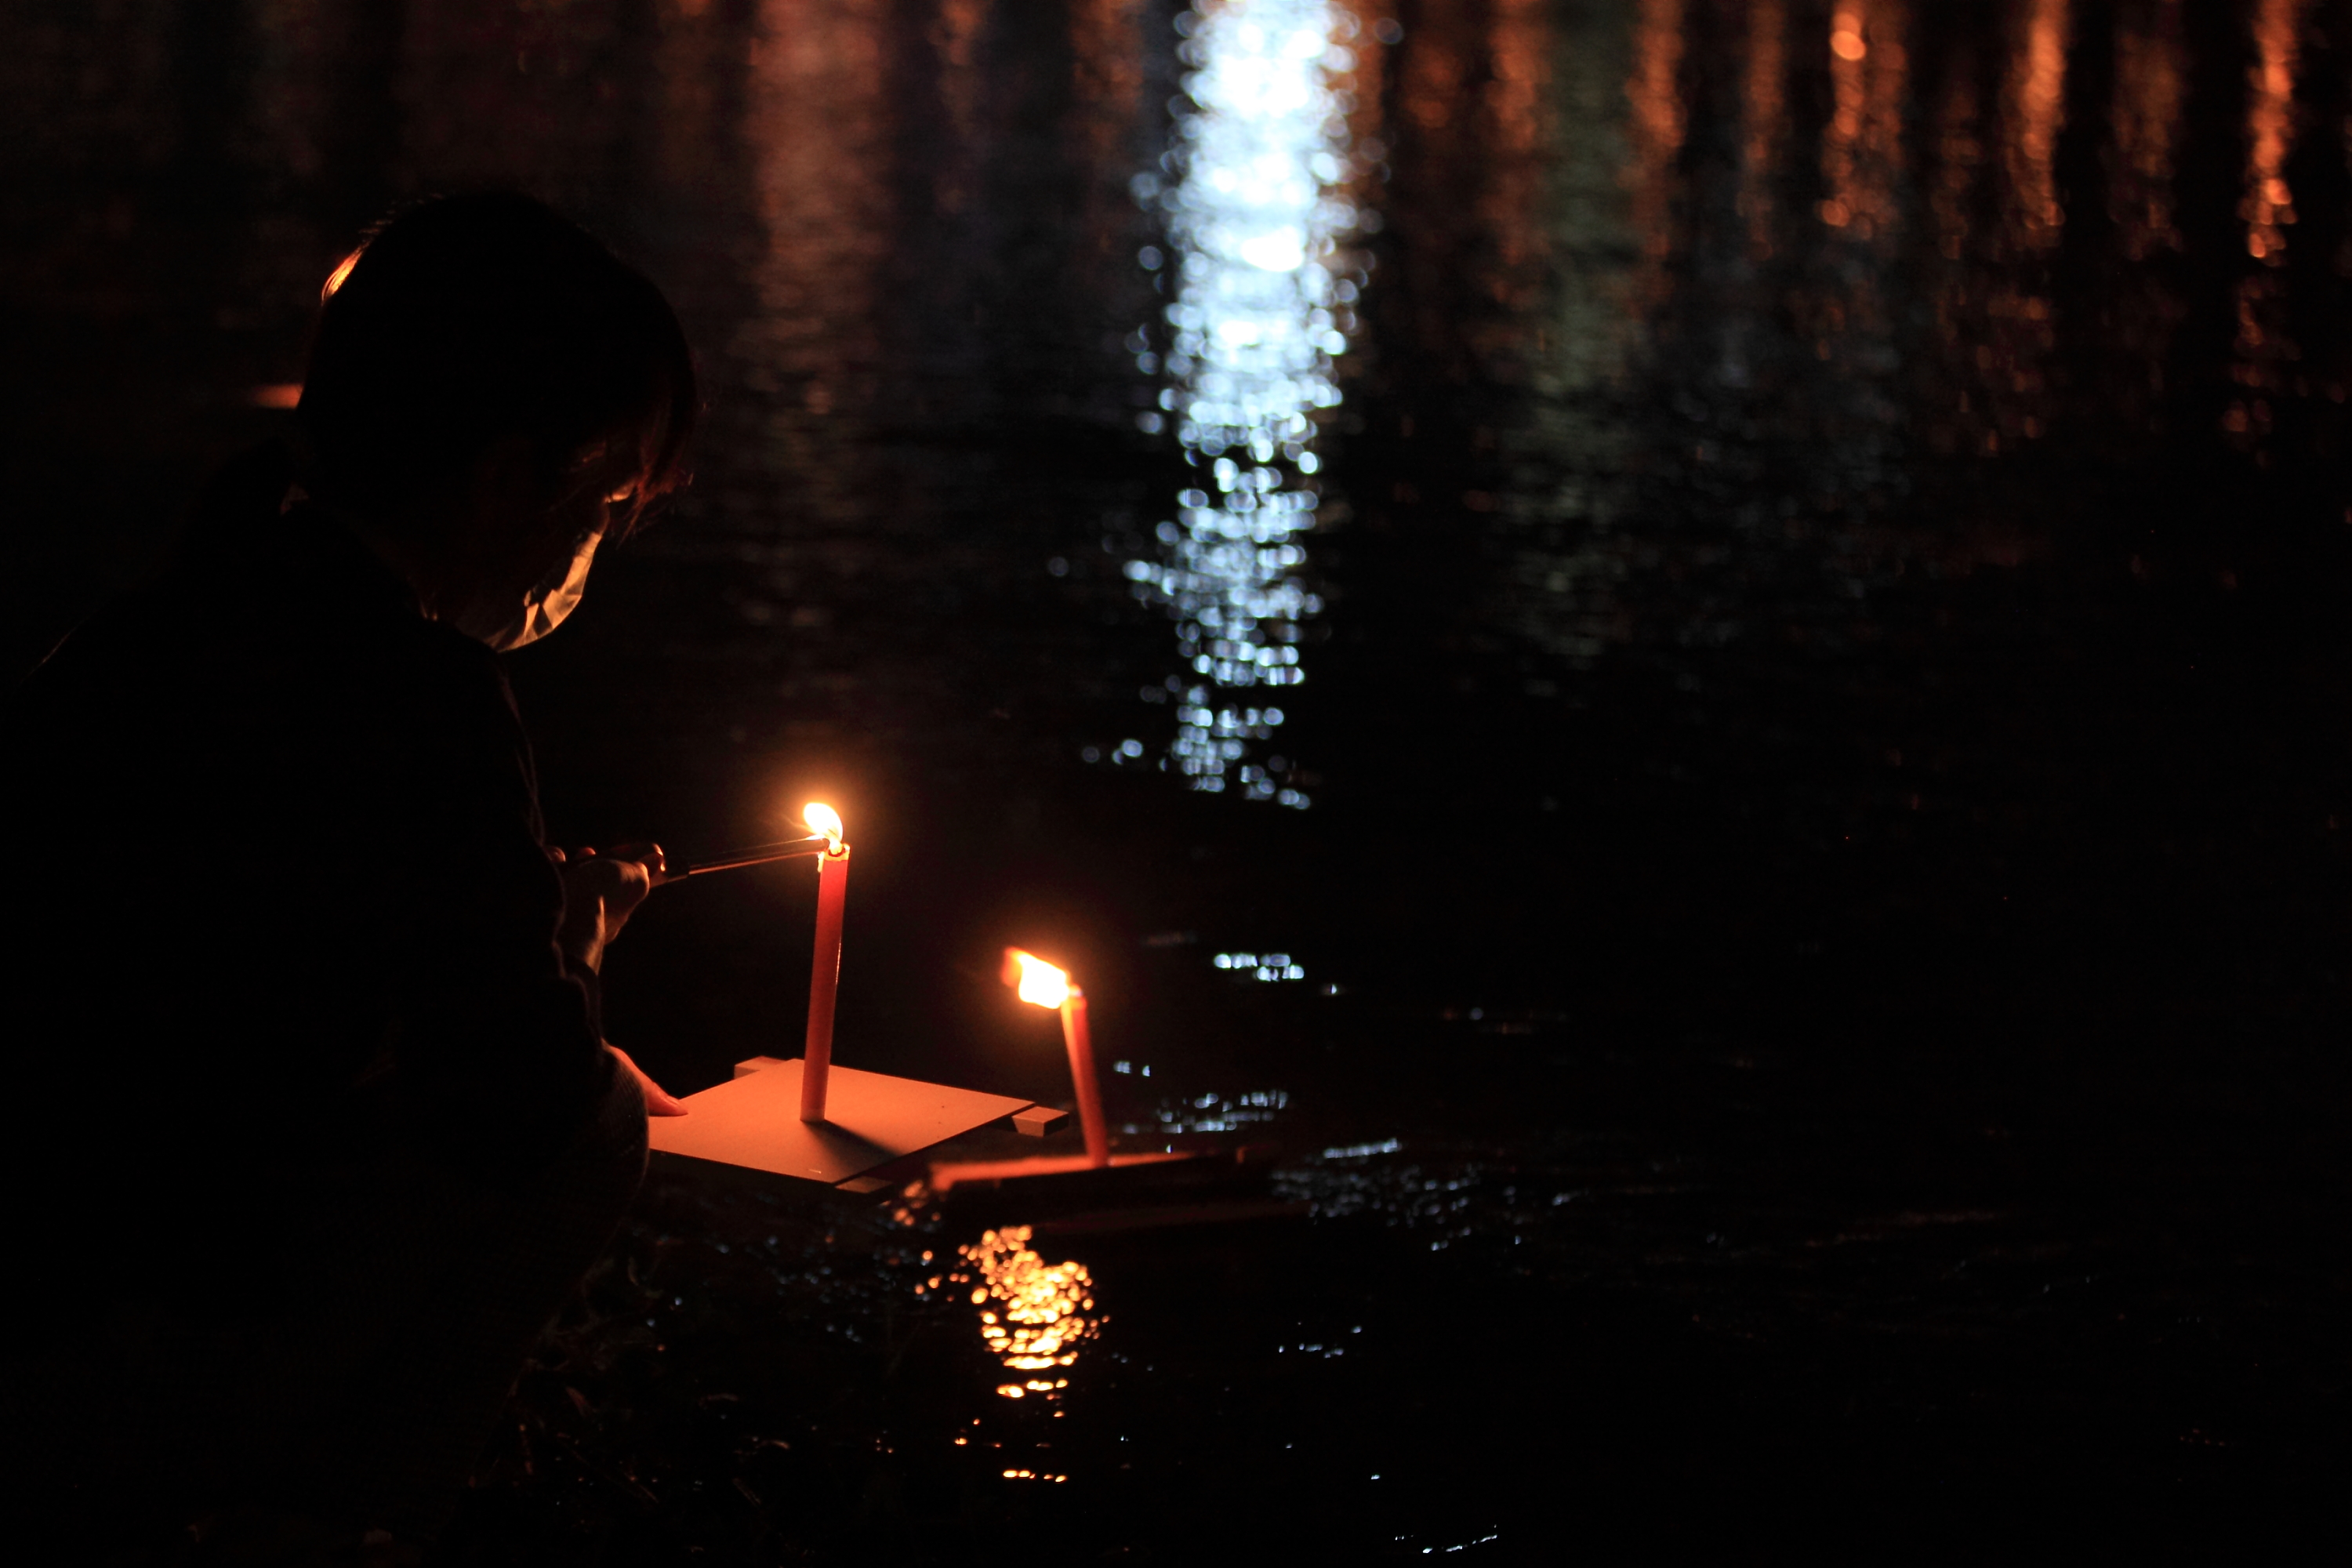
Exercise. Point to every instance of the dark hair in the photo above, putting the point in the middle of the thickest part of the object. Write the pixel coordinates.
(467, 319)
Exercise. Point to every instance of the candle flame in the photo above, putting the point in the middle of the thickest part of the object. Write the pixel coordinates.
(824, 819)
(1039, 981)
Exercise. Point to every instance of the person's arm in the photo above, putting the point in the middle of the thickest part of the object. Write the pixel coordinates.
(601, 892)
(500, 1041)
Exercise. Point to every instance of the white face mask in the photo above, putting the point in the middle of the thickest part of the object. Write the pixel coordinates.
(510, 626)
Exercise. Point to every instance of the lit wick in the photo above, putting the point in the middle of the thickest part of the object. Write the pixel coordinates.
(1046, 986)
(824, 968)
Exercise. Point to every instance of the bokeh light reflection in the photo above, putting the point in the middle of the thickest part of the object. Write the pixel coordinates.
(2265, 355)
(1033, 1315)
(1259, 308)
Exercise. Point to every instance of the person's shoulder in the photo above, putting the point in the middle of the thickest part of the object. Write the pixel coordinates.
(351, 598)
(466, 666)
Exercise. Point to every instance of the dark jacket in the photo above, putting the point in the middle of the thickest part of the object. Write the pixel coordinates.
(285, 863)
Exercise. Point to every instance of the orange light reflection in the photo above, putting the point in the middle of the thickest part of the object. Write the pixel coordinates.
(2263, 350)
(818, 120)
(1654, 93)
(1518, 55)
(2037, 111)
(1960, 154)
(1764, 113)
(1860, 150)
(2149, 97)
(1035, 1315)
(2269, 205)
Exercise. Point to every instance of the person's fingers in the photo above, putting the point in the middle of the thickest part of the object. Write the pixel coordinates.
(604, 875)
(631, 882)
(658, 1100)
(555, 854)
(648, 854)
(612, 886)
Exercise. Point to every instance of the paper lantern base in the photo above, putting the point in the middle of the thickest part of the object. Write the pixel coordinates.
(872, 1119)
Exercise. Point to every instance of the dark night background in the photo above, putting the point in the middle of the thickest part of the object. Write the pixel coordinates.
(1822, 895)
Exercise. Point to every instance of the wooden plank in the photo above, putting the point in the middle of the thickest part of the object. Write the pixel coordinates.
(871, 1119)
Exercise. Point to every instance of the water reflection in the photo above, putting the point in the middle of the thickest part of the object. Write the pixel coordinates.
(1994, 311)
(1569, 451)
(819, 128)
(1658, 121)
(1109, 51)
(1763, 113)
(1862, 155)
(2269, 205)
(1684, 299)
(1260, 309)
(1515, 97)
(1269, 966)
(2263, 350)
(2020, 328)
(1033, 1315)
(2149, 92)
(1216, 1113)
(1519, 132)
(2036, 108)
(1959, 150)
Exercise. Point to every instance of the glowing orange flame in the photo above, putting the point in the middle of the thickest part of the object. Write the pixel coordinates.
(824, 819)
(1039, 981)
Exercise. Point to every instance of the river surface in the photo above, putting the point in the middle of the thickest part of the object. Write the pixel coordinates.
(1697, 651)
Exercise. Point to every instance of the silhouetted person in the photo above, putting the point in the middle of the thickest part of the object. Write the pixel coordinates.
(316, 1122)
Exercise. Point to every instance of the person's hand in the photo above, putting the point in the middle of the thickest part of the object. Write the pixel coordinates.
(602, 889)
(659, 1102)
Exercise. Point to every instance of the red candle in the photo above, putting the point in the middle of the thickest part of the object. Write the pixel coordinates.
(1041, 983)
(824, 968)
(1082, 1074)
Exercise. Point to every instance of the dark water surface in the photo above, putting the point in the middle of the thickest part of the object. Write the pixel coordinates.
(1698, 650)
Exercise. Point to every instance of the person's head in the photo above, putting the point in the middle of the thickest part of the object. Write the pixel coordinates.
(492, 392)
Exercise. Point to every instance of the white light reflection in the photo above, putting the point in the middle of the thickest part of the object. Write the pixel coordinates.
(1261, 966)
(1258, 313)
(1216, 1112)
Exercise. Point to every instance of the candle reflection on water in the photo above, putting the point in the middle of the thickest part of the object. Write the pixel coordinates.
(2269, 205)
(1993, 307)
(2036, 108)
(2150, 94)
(1107, 53)
(1518, 111)
(2145, 306)
(1033, 1315)
(1519, 41)
(1763, 113)
(817, 123)
(1957, 136)
(1656, 123)
(1261, 307)
(2263, 350)
(1862, 154)
(2023, 317)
